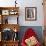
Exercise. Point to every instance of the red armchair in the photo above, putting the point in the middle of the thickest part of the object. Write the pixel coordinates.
(30, 34)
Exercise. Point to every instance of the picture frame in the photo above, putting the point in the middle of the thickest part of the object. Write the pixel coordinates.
(30, 13)
(5, 12)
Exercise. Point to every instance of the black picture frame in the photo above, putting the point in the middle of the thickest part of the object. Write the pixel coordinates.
(30, 13)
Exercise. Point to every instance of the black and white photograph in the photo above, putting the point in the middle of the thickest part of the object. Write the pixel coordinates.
(30, 13)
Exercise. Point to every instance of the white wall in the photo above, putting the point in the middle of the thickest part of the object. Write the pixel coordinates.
(26, 3)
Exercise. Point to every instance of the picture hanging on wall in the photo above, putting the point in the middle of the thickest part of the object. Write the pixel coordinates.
(30, 13)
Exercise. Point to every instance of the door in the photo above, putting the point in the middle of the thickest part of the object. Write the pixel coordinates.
(44, 6)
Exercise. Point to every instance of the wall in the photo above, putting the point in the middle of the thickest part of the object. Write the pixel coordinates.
(32, 3)
(26, 3)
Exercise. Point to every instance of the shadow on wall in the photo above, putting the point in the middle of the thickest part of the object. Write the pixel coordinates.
(37, 29)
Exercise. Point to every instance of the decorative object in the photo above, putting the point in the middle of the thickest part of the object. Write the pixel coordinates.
(6, 21)
(30, 13)
(15, 3)
(31, 41)
(13, 12)
(15, 37)
(5, 12)
(7, 34)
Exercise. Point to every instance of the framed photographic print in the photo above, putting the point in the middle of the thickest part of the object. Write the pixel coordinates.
(5, 12)
(30, 13)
